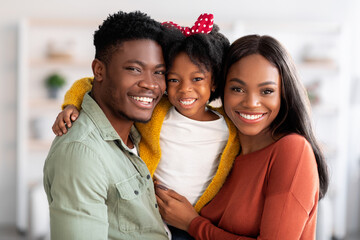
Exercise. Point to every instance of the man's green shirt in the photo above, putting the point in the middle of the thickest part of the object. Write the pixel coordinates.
(96, 187)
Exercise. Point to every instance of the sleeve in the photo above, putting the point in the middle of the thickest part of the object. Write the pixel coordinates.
(77, 91)
(76, 185)
(290, 199)
(202, 228)
(292, 194)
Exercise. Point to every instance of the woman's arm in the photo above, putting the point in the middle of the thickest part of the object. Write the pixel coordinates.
(290, 206)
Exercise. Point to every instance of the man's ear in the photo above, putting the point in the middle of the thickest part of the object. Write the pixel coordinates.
(98, 68)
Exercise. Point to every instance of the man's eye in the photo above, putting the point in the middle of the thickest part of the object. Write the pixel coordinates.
(133, 69)
(161, 72)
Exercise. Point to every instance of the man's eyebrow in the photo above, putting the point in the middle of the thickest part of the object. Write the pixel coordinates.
(161, 65)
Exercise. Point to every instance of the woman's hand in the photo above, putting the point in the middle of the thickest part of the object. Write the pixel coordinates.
(63, 121)
(174, 208)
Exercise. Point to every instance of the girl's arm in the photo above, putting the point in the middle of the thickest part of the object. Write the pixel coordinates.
(72, 105)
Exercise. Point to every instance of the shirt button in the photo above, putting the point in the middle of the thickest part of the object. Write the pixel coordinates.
(155, 205)
(148, 176)
(136, 192)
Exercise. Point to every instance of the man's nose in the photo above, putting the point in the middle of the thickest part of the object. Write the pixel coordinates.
(149, 81)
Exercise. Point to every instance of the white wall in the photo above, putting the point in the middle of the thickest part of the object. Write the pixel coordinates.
(178, 11)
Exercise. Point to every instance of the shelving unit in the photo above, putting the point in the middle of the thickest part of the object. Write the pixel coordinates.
(45, 46)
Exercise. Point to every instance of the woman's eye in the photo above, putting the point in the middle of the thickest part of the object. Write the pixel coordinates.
(237, 89)
(268, 91)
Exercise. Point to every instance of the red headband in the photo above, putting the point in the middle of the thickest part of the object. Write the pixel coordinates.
(204, 24)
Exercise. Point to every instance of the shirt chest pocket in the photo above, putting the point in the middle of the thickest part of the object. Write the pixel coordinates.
(136, 209)
(131, 188)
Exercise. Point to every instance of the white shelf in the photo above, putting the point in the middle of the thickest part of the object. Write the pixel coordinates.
(45, 46)
(62, 62)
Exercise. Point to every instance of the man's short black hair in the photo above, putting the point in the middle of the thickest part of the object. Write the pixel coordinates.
(122, 26)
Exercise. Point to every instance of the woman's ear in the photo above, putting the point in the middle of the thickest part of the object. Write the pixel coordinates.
(98, 68)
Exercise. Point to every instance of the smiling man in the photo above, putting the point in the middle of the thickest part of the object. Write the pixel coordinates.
(97, 186)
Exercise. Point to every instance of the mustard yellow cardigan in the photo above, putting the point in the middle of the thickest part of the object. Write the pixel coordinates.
(149, 146)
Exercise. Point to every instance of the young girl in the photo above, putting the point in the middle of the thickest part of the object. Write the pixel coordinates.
(187, 145)
(277, 180)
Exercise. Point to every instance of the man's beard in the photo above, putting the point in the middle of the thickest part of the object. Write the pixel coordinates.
(123, 115)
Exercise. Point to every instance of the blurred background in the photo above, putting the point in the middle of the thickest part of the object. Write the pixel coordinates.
(46, 45)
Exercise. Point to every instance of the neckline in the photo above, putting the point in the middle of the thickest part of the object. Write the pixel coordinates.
(264, 148)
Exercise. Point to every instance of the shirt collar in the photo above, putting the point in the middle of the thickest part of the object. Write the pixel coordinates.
(107, 132)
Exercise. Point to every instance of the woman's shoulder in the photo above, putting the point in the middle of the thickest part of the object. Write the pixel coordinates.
(292, 139)
(293, 146)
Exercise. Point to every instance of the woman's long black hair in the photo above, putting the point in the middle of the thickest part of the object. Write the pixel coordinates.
(294, 114)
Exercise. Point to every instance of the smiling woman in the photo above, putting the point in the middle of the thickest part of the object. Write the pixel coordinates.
(252, 97)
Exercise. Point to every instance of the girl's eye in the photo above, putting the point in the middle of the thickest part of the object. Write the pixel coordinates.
(197, 79)
(172, 80)
(268, 91)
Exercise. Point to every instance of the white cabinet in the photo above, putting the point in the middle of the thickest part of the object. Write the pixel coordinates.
(45, 47)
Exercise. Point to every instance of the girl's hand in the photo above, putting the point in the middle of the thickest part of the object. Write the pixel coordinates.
(174, 208)
(63, 121)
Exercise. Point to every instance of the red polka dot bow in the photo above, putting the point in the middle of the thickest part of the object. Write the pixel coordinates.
(204, 24)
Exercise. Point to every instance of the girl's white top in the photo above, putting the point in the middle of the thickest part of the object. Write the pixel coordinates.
(190, 153)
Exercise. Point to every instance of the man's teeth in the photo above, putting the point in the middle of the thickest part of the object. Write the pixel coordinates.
(143, 99)
(250, 117)
(187, 102)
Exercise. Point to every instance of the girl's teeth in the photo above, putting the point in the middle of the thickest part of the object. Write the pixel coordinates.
(251, 117)
(143, 99)
(187, 102)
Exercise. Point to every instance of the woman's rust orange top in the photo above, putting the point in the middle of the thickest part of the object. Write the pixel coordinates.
(271, 193)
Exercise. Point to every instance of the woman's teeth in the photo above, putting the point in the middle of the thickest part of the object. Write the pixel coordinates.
(251, 117)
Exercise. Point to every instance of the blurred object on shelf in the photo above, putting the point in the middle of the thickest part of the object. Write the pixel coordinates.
(54, 82)
(58, 50)
(319, 53)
